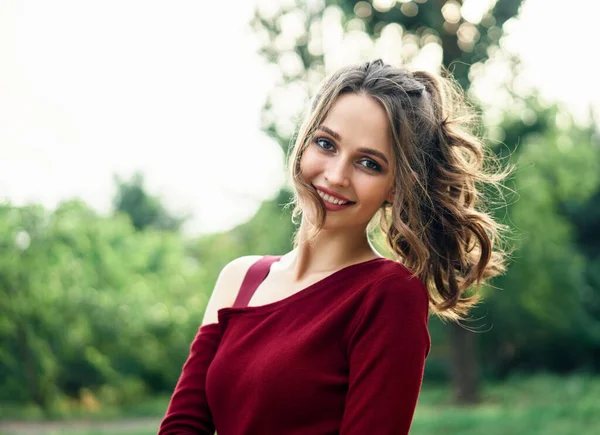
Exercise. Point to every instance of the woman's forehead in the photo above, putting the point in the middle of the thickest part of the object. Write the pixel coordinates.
(361, 120)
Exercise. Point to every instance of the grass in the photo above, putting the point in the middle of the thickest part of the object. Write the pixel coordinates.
(148, 407)
(521, 406)
(540, 404)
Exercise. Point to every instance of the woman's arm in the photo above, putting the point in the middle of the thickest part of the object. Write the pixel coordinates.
(387, 350)
(188, 411)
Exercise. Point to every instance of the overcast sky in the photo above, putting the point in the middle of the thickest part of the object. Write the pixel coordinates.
(89, 89)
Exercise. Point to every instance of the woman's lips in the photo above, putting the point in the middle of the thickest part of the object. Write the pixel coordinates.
(336, 207)
(332, 193)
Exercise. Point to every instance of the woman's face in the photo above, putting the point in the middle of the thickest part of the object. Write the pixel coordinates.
(350, 157)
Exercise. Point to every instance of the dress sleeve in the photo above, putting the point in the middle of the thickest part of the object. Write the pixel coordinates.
(386, 351)
(188, 411)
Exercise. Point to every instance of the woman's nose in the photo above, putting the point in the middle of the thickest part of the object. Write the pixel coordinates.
(337, 173)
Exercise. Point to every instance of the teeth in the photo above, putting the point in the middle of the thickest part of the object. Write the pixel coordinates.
(331, 199)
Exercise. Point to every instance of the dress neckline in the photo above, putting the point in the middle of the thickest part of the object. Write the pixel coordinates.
(343, 273)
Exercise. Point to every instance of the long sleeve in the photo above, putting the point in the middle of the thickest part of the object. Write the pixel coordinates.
(188, 411)
(386, 350)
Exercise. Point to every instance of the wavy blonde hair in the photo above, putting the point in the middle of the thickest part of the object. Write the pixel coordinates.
(437, 225)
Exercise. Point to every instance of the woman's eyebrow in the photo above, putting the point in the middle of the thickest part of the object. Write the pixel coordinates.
(370, 151)
(329, 131)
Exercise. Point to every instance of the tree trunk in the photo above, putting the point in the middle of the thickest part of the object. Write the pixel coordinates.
(29, 369)
(464, 365)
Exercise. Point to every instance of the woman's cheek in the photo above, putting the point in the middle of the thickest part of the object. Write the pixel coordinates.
(308, 164)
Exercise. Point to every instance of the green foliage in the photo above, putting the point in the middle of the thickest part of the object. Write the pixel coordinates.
(426, 21)
(143, 209)
(541, 315)
(585, 217)
(89, 301)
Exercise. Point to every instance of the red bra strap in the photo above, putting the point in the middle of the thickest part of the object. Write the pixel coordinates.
(254, 276)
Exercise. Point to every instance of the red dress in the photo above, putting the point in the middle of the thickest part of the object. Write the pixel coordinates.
(345, 355)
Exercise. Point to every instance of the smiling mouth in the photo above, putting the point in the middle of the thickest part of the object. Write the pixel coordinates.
(332, 200)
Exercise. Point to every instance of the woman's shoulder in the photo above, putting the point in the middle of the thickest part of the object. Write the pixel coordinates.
(390, 283)
(227, 286)
(388, 273)
(231, 276)
(385, 268)
(239, 266)
(369, 276)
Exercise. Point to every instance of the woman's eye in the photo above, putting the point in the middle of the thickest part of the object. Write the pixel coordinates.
(370, 164)
(323, 143)
(327, 145)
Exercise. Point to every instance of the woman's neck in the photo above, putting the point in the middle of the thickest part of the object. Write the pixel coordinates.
(328, 252)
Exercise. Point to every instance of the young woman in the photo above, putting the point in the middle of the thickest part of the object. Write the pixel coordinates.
(331, 338)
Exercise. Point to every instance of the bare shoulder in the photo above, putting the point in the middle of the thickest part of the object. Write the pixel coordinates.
(227, 285)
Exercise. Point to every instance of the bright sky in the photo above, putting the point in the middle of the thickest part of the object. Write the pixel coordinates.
(89, 89)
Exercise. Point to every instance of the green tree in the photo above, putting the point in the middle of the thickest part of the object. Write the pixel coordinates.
(144, 210)
(585, 217)
(90, 302)
(543, 317)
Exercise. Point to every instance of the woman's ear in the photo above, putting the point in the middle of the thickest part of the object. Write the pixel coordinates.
(391, 195)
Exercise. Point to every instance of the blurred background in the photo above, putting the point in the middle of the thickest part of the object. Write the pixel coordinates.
(142, 148)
